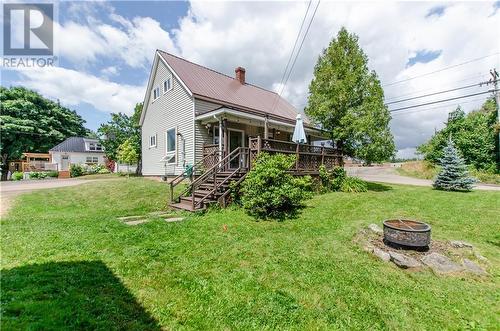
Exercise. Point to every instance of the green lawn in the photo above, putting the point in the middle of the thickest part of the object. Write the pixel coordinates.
(67, 262)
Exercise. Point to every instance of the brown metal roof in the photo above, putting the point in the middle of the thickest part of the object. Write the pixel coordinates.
(207, 83)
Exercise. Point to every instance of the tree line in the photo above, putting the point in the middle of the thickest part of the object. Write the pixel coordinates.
(32, 123)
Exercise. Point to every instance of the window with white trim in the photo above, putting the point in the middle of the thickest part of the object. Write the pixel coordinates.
(156, 93)
(167, 85)
(91, 159)
(152, 141)
(95, 147)
(171, 145)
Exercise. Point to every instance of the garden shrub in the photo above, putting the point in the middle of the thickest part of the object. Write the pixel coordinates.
(38, 175)
(331, 180)
(269, 191)
(52, 174)
(76, 170)
(353, 184)
(17, 175)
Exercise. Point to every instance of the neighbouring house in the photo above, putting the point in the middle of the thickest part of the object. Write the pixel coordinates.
(76, 150)
(197, 120)
(30, 162)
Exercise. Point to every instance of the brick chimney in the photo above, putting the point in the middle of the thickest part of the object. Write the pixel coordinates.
(240, 74)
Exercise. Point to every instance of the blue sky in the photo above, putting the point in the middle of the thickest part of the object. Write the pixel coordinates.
(106, 49)
(166, 13)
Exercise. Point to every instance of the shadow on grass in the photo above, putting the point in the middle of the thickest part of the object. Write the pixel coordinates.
(376, 187)
(69, 295)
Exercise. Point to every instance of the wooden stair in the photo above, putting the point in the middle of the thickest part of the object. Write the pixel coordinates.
(212, 185)
(206, 190)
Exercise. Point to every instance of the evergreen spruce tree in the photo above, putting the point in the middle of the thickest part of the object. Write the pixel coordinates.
(453, 175)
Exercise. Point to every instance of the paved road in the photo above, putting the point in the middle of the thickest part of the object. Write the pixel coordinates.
(9, 190)
(389, 175)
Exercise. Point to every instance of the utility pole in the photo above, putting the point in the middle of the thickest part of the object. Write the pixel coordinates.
(494, 80)
(494, 76)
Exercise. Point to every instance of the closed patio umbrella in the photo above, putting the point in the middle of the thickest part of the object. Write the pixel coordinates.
(299, 135)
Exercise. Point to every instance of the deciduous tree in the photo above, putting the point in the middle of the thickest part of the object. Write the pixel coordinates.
(32, 123)
(347, 100)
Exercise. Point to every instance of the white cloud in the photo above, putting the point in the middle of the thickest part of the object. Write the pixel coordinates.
(259, 37)
(73, 87)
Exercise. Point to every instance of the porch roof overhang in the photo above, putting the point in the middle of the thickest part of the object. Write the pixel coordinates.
(254, 119)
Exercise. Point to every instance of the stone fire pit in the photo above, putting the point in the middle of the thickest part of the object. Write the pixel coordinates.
(407, 233)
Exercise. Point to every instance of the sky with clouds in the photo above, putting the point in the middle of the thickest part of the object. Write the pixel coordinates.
(105, 51)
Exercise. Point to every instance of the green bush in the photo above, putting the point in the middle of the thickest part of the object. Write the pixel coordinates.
(38, 175)
(270, 192)
(17, 175)
(76, 170)
(331, 180)
(353, 184)
(52, 174)
(103, 171)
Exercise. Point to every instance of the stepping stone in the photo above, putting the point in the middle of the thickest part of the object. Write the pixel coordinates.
(375, 228)
(130, 218)
(441, 264)
(404, 261)
(136, 222)
(473, 267)
(174, 219)
(480, 257)
(383, 255)
(160, 213)
(460, 244)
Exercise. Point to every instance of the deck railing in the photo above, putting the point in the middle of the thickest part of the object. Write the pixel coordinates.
(308, 157)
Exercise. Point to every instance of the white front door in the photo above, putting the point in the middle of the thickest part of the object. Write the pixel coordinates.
(236, 139)
(64, 162)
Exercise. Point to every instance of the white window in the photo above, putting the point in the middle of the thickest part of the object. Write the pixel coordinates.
(91, 160)
(167, 85)
(152, 141)
(216, 135)
(156, 93)
(171, 145)
(95, 147)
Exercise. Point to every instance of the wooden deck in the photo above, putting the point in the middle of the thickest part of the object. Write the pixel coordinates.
(211, 176)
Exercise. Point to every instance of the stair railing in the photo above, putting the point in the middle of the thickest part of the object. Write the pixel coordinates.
(178, 179)
(239, 152)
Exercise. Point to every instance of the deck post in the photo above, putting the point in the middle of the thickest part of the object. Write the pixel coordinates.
(266, 128)
(258, 144)
(297, 156)
(322, 155)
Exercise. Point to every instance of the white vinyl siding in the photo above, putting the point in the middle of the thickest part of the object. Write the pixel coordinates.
(201, 132)
(172, 110)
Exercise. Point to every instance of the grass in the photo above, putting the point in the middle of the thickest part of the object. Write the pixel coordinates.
(426, 170)
(418, 169)
(67, 262)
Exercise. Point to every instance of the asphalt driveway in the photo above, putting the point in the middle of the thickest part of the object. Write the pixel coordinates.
(9, 190)
(386, 174)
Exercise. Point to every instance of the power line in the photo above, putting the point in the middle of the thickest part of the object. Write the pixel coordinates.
(440, 70)
(440, 107)
(436, 93)
(468, 78)
(298, 50)
(300, 47)
(293, 48)
(296, 40)
(439, 101)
